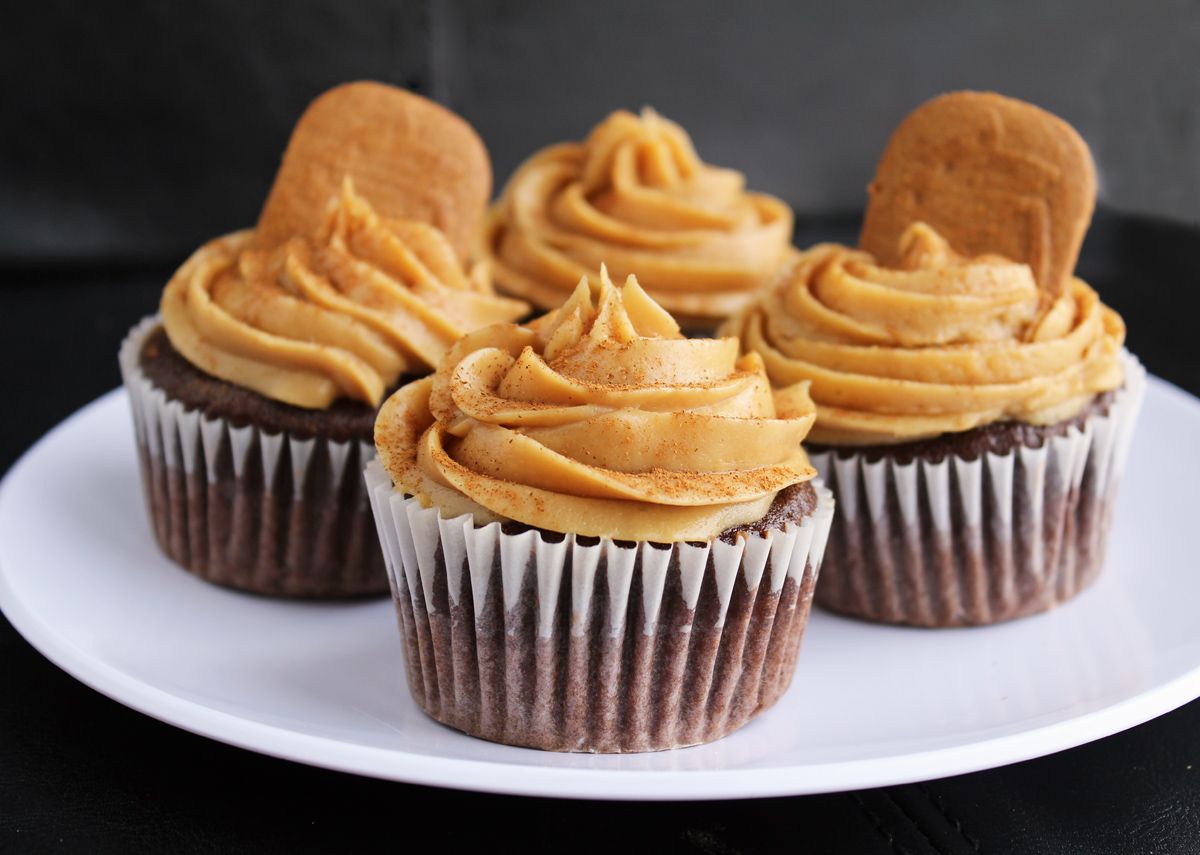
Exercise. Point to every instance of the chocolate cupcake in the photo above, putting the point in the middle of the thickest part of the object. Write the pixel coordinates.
(636, 197)
(254, 393)
(974, 413)
(601, 536)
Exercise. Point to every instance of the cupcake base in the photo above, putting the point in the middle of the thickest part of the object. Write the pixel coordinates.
(168, 370)
(993, 524)
(567, 643)
(242, 505)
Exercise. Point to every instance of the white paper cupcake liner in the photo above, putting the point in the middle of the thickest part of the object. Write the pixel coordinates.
(585, 644)
(967, 542)
(236, 505)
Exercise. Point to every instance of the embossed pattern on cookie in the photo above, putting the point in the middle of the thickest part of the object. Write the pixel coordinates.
(991, 174)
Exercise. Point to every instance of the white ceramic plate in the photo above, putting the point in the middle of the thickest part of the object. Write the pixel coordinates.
(81, 578)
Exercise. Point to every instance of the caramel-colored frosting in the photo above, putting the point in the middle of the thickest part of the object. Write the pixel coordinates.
(636, 197)
(343, 313)
(937, 344)
(599, 419)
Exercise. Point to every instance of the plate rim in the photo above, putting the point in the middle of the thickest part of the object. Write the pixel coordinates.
(564, 782)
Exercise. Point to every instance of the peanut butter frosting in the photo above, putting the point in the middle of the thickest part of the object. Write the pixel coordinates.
(598, 419)
(938, 343)
(342, 313)
(636, 197)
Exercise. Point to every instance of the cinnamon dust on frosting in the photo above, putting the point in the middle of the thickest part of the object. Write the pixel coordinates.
(636, 197)
(342, 313)
(598, 419)
(936, 343)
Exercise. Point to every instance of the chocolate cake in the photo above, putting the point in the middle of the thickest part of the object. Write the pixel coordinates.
(948, 356)
(168, 370)
(254, 390)
(247, 492)
(793, 504)
(994, 438)
(657, 530)
(974, 528)
(607, 678)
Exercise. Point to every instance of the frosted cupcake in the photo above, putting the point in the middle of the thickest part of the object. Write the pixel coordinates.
(601, 536)
(636, 197)
(254, 392)
(972, 418)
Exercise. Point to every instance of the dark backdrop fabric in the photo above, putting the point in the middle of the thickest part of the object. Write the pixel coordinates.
(133, 131)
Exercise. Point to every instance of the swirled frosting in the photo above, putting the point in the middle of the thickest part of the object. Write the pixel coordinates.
(342, 313)
(599, 419)
(636, 197)
(937, 344)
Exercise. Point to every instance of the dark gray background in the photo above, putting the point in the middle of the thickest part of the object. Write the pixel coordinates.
(134, 131)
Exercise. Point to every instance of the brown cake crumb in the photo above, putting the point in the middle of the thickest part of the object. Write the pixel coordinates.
(167, 369)
(996, 438)
(794, 503)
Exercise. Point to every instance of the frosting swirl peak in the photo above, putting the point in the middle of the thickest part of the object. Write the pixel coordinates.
(936, 344)
(636, 196)
(599, 419)
(344, 312)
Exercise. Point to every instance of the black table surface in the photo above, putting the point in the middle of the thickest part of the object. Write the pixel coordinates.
(81, 773)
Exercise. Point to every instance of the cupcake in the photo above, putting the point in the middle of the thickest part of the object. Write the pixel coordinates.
(974, 402)
(254, 392)
(601, 536)
(636, 197)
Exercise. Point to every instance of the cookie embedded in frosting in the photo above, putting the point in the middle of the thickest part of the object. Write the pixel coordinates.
(635, 196)
(993, 175)
(409, 157)
(598, 419)
(342, 313)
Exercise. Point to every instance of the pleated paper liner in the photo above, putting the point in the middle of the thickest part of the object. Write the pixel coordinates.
(969, 542)
(570, 643)
(264, 512)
